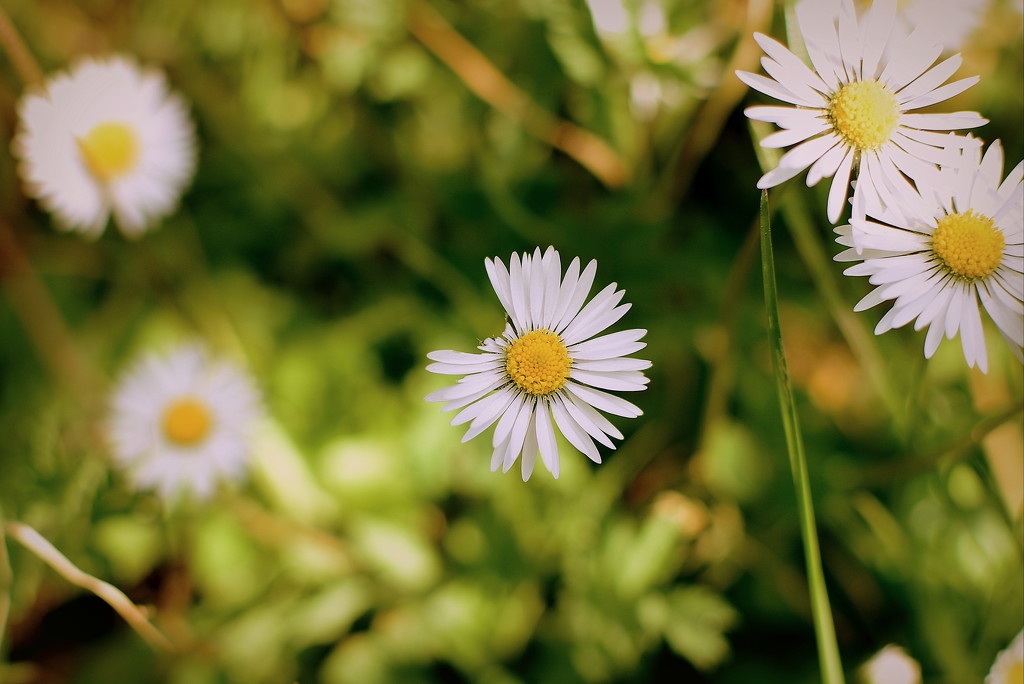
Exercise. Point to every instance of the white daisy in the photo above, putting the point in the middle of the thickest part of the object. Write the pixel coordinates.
(107, 137)
(853, 111)
(181, 422)
(546, 364)
(1009, 665)
(952, 26)
(957, 242)
(891, 665)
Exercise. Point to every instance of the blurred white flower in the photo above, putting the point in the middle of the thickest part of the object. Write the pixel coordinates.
(546, 363)
(107, 137)
(853, 115)
(958, 241)
(180, 422)
(891, 665)
(1009, 665)
(951, 27)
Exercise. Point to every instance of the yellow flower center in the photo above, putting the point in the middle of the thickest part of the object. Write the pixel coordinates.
(1016, 675)
(968, 244)
(187, 421)
(538, 362)
(864, 113)
(110, 150)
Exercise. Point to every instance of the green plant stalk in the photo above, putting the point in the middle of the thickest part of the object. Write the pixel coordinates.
(824, 629)
(807, 238)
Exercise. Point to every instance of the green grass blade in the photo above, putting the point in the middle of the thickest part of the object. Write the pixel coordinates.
(824, 629)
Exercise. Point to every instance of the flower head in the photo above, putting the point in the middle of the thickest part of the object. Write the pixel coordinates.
(107, 137)
(957, 241)
(853, 110)
(181, 422)
(547, 369)
(891, 665)
(1009, 665)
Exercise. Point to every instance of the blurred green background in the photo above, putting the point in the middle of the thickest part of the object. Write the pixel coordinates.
(350, 184)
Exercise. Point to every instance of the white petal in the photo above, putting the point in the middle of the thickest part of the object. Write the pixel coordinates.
(930, 80)
(448, 356)
(492, 409)
(609, 403)
(546, 439)
(774, 89)
(572, 430)
(943, 122)
(614, 364)
(498, 275)
(941, 94)
(620, 381)
(608, 346)
(785, 138)
(574, 295)
(840, 186)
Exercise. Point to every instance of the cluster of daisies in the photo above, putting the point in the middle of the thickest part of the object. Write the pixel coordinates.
(935, 226)
(180, 422)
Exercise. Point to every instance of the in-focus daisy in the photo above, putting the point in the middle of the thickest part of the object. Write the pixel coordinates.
(853, 110)
(547, 369)
(1009, 665)
(180, 422)
(107, 137)
(957, 242)
(891, 665)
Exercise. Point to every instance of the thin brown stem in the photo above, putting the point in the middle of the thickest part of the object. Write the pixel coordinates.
(6, 583)
(492, 86)
(24, 63)
(707, 125)
(132, 614)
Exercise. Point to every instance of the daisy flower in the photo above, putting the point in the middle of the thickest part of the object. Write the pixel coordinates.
(181, 422)
(107, 137)
(956, 242)
(891, 665)
(547, 369)
(1009, 665)
(853, 115)
(952, 26)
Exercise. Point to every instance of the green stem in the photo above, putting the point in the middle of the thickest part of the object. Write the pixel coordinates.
(824, 629)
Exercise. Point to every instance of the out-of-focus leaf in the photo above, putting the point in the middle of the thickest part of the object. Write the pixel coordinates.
(696, 626)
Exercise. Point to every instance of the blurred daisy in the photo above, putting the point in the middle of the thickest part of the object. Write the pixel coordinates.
(891, 665)
(957, 242)
(547, 364)
(180, 423)
(852, 116)
(952, 26)
(1009, 665)
(107, 137)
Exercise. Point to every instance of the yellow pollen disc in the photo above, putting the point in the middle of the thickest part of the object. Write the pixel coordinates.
(110, 150)
(187, 421)
(864, 113)
(968, 244)
(538, 362)
(1016, 674)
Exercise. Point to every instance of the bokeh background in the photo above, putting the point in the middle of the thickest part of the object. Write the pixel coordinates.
(359, 159)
